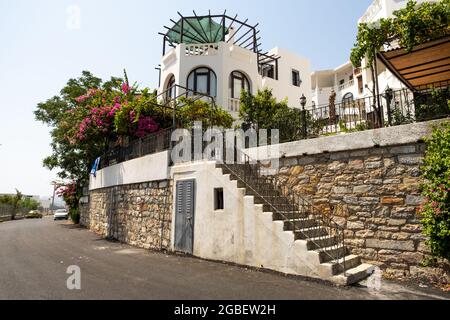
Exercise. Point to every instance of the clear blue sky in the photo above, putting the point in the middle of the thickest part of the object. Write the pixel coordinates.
(39, 53)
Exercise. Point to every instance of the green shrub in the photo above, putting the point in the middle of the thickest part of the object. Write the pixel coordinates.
(436, 208)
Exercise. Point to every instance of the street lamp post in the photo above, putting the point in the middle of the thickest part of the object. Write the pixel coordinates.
(389, 95)
(303, 118)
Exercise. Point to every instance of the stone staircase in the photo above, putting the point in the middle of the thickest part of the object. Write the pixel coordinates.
(318, 242)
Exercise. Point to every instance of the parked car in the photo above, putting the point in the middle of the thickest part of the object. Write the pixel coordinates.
(61, 214)
(34, 214)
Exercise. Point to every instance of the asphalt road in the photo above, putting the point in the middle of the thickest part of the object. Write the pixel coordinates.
(35, 255)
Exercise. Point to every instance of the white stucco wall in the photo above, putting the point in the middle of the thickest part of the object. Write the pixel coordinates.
(231, 58)
(152, 167)
(241, 233)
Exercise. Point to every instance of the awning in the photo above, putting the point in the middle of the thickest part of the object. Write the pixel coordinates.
(196, 30)
(426, 64)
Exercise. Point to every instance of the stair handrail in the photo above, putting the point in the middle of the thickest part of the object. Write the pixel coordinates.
(333, 228)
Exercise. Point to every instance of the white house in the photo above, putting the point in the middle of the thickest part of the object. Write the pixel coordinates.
(354, 83)
(221, 56)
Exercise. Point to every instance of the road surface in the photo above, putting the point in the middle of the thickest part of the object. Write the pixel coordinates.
(35, 255)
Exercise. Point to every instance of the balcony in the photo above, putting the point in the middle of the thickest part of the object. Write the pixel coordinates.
(204, 49)
(346, 85)
(234, 104)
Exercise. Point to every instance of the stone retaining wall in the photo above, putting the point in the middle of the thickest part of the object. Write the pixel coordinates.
(137, 214)
(375, 195)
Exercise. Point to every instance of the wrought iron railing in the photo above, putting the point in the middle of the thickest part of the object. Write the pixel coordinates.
(292, 208)
(151, 144)
(391, 108)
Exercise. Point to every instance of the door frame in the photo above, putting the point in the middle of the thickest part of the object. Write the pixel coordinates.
(194, 189)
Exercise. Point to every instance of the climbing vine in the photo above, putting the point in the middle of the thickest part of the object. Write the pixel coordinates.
(411, 26)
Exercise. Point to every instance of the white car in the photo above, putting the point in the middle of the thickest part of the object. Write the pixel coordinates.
(61, 214)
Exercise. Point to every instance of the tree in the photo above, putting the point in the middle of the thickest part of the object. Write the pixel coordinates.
(190, 111)
(28, 203)
(258, 111)
(16, 203)
(65, 114)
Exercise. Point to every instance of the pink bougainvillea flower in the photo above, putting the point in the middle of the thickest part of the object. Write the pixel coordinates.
(132, 116)
(125, 88)
(146, 126)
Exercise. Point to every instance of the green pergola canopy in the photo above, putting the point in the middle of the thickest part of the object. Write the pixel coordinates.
(196, 30)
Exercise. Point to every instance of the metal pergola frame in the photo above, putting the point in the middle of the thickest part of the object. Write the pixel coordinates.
(245, 35)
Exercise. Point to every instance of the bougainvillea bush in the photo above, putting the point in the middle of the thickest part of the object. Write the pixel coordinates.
(71, 197)
(436, 209)
(90, 115)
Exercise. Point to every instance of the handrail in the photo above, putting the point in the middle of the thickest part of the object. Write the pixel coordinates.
(300, 207)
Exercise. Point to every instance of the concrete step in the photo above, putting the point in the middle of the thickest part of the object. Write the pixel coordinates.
(286, 210)
(304, 234)
(351, 261)
(354, 275)
(321, 242)
(299, 224)
(331, 253)
(287, 215)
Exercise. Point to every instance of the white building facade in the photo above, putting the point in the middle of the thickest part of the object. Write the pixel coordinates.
(356, 83)
(225, 67)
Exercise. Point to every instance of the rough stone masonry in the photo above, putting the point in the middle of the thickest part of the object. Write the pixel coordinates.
(374, 194)
(137, 214)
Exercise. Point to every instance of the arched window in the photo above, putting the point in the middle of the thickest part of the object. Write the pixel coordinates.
(348, 97)
(170, 89)
(238, 83)
(203, 80)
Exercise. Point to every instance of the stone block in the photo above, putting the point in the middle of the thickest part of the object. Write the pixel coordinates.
(392, 201)
(351, 200)
(364, 201)
(365, 234)
(396, 222)
(355, 225)
(390, 244)
(415, 159)
(403, 149)
(356, 164)
(414, 200)
(373, 165)
(392, 181)
(413, 228)
(362, 189)
(342, 190)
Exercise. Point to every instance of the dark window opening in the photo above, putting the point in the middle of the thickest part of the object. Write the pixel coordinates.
(296, 81)
(203, 80)
(171, 90)
(341, 82)
(218, 199)
(360, 84)
(268, 71)
(348, 97)
(238, 83)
